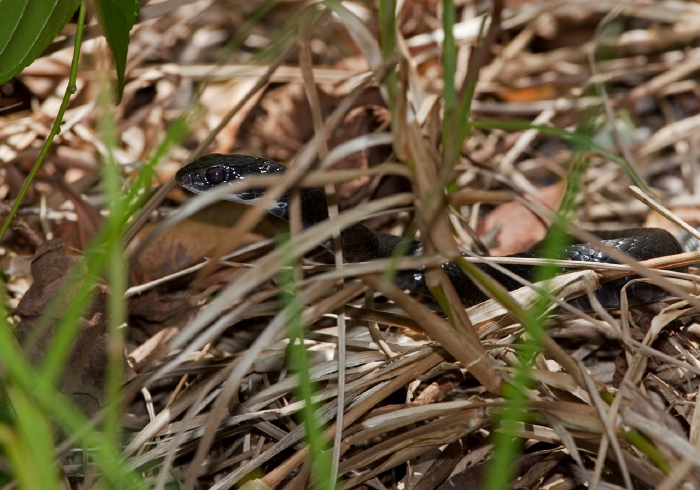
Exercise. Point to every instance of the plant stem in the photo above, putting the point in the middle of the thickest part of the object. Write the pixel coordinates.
(56, 128)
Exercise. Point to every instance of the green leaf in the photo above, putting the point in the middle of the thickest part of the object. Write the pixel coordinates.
(26, 30)
(117, 17)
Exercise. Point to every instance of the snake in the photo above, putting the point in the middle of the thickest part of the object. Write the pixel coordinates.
(361, 244)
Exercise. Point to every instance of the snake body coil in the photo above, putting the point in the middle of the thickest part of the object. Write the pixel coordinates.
(360, 244)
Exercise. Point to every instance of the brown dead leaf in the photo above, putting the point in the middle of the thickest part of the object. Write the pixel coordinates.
(162, 308)
(281, 123)
(84, 372)
(187, 242)
(361, 121)
(50, 265)
(520, 229)
(232, 92)
(179, 247)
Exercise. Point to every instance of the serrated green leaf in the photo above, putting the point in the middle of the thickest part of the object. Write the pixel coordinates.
(27, 30)
(116, 18)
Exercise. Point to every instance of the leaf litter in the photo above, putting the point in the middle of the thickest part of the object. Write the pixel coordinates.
(213, 404)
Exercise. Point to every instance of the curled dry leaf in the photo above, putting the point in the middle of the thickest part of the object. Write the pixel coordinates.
(282, 123)
(187, 242)
(520, 230)
(183, 245)
(83, 375)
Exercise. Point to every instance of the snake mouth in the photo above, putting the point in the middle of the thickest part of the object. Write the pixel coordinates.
(184, 179)
(193, 181)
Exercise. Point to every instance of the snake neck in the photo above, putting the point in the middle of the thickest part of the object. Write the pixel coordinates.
(313, 207)
(358, 243)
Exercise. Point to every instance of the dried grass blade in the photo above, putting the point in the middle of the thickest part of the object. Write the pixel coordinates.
(275, 477)
(472, 355)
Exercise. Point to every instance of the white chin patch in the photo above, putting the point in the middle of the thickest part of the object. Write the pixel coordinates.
(235, 198)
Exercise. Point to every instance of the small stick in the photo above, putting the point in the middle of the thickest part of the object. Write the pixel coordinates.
(664, 211)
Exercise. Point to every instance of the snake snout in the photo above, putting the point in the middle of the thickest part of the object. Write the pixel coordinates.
(184, 179)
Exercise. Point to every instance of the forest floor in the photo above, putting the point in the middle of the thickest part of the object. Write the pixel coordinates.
(548, 102)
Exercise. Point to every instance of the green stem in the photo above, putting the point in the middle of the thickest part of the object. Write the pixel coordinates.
(56, 128)
(387, 40)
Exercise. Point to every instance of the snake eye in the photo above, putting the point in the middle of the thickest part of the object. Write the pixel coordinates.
(215, 175)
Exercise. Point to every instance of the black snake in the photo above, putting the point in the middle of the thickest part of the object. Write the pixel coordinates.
(360, 244)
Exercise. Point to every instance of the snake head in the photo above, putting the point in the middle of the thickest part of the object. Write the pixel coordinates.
(217, 169)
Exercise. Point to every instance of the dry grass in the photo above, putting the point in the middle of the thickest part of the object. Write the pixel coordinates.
(215, 404)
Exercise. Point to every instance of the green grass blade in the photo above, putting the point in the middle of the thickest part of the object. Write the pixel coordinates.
(318, 450)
